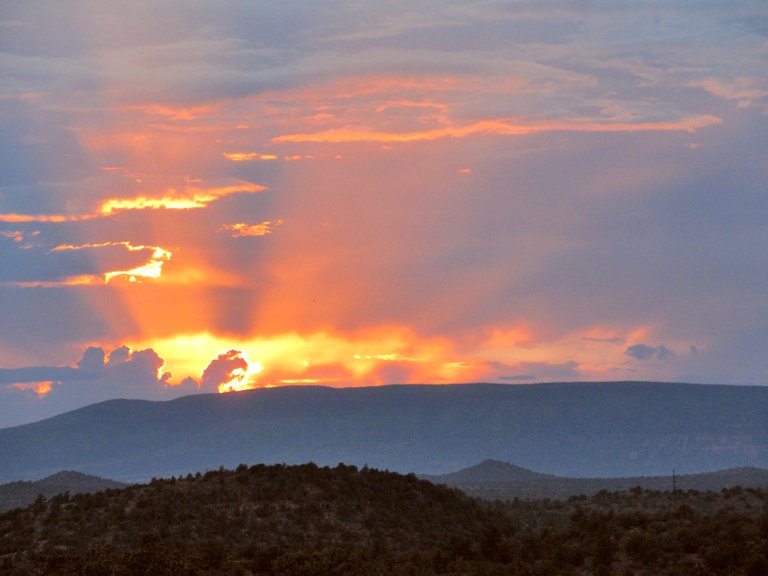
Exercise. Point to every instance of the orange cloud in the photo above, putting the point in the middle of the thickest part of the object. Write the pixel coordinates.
(190, 199)
(151, 269)
(176, 112)
(39, 388)
(341, 135)
(745, 91)
(230, 371)
(247, 156)
(49, 218)
(494, 127)
(240, 230)
(15, 235)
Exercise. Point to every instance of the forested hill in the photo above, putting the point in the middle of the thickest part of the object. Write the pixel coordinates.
(568, 429)
(22, 493)
(261, 517)
(315, 521)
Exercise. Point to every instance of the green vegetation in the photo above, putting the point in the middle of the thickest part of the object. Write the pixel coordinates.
(307, 520)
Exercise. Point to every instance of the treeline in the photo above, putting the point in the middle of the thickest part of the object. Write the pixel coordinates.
(306, 520)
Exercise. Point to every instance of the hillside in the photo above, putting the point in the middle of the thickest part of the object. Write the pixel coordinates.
(569, 429)
(23, 493)
(490, 472)
(499, 480)
(310, 521)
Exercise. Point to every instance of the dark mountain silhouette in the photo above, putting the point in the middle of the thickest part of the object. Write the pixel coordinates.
(492, 480)
(22, 493)
(490, 472)
(568, 429)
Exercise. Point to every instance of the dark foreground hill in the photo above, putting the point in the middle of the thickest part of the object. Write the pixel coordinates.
(570, 429)
(22, 493)
(492, 480)
(311, 521)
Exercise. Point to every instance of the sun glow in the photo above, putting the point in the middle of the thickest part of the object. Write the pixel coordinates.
(383, 356)
(242, 377)
(152, 269)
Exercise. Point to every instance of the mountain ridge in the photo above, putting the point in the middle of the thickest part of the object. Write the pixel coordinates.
(567, 429)
(492, 479)
(22, 493)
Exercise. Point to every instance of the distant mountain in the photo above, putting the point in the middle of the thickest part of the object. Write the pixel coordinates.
(493, 480)
(23, 493)
(567, 429)
(490, 472)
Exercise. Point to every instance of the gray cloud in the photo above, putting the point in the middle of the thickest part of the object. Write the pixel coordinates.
(644, 352)
(126, 374)
(617, 340)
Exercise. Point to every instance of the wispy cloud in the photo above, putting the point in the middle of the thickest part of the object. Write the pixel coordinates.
(190, 198)
(241, 230)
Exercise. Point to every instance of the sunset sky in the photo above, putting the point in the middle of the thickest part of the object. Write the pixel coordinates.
(216, 195)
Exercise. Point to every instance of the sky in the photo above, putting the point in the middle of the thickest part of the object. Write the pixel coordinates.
(201, 196)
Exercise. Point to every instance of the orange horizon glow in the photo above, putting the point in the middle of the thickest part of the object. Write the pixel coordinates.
(380, 356)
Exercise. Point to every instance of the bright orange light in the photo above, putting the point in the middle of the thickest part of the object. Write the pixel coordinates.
(247, 156)
(152, 269)
(39, 388)
(316, 357)
(189, 199)
(242, 379)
